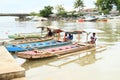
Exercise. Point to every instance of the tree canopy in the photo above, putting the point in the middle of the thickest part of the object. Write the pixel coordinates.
(78, 4)
(117, 3)
(61, 11)
(33, 14)
(107, 5)
(46, 11)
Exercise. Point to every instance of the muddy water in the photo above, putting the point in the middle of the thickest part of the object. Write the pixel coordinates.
(103, 65)
(94, 65)
(100, 64)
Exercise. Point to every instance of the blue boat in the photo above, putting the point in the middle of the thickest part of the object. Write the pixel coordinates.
(31, 46)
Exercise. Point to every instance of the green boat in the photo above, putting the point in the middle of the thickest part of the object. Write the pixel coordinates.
(25, 35)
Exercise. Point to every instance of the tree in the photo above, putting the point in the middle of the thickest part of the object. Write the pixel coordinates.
(46, 11)
(117, 3)
(79, 4)
(106, 5)
(33, 14)
(61, 11)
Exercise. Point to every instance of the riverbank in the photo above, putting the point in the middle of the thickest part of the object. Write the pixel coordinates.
(9, 68)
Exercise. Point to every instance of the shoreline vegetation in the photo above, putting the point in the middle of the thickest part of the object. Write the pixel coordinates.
(102, 7)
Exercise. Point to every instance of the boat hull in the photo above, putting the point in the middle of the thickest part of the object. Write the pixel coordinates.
(23, 36)
(30, 40)
(31, 46)
(36, 54)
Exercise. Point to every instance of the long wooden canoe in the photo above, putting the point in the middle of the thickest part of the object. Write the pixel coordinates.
(36, 54)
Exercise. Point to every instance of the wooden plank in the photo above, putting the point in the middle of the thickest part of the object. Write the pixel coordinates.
(23, 78)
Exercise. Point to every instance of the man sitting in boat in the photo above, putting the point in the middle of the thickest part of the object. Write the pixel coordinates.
(70, 37)
(93, 38)
(65, 37)
(50, 33)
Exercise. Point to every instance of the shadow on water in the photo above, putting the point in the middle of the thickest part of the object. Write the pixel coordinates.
(82, 59)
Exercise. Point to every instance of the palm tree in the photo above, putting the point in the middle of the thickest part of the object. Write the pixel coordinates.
(78, 4)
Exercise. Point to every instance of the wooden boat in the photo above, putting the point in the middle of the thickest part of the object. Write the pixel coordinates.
(60, 50)
(102, 18)
(29, 40)
(31, 46)
(80, 20)
(35, 54)
(25, 35)
(87, 18)
(90, 18)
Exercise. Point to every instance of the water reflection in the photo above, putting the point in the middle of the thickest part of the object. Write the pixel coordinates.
(37, 63)
(90, 57)
(54, 23)
(111, 33)
(110, 37)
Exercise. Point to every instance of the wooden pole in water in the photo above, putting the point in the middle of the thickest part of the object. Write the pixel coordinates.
(58, 36)
(87, 37)
(78, 37)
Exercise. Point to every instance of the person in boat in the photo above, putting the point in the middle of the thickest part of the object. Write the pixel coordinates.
(93, 38)
(65, 37)
(70, 36)
(50, 33)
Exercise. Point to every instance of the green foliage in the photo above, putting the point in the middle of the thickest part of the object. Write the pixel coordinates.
(61, 11)
(78, 4)
(105, 11)
(46, 11)
(33, 14)
(59, 8)
(117, 3)
(105, 6)
(62, 14)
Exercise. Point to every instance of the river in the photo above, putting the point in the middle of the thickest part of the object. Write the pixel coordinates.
(101, 65)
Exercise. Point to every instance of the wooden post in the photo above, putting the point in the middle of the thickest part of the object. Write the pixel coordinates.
(78, 37)
(58, 36)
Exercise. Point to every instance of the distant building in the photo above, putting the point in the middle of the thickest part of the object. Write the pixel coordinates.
(114, 12)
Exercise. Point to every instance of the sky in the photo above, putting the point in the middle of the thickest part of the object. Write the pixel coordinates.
(27, 6)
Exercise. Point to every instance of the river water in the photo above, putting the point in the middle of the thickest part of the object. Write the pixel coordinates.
(101, 65)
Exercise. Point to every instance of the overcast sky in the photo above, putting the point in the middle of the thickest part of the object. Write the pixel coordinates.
(26, 6)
